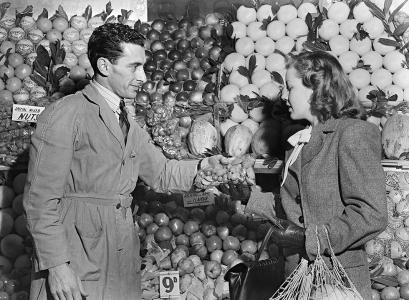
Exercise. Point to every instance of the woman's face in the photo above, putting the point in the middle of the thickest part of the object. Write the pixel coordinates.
(298, 98)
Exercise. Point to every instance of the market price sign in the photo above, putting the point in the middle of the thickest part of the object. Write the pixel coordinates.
(169, 284)
(26, 113)
(198, 199)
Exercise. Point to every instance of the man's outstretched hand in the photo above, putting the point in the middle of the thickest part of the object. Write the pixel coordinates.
(65, 284)
(287, 234)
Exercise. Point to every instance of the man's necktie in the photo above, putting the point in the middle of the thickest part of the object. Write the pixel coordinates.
(123, 120)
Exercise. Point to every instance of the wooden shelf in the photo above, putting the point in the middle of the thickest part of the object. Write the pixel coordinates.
(397, 164)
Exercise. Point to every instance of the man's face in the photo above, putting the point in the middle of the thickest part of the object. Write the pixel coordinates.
(126, 76)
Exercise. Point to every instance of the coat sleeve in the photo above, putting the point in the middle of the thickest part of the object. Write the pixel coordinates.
(49, 165)
(362, 188)
(160, 173)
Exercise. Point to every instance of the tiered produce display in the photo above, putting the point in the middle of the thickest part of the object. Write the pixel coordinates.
(214, 85)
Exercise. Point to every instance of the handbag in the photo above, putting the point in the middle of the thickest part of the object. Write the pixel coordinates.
(257, 279)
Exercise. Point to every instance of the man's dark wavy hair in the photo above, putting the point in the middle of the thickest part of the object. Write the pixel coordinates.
(333, 94)
(106, 41)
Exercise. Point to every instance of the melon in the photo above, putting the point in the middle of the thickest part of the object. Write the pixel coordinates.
(6, 196)
(237, 140)
(395, 136)
(266, 140)
(202, 136)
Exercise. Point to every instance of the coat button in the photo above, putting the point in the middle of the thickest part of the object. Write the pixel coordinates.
(301, 219)
(298, 199)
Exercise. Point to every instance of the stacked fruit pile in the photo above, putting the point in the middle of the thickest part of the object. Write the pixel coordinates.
(15, 243)
(201, 243)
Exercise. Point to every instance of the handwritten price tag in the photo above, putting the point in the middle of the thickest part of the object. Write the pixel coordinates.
(26, 113)
(198, 199)
(169, 284)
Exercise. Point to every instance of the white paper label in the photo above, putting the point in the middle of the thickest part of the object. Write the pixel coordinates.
(26, 113)
(198, 199)
(169, 284)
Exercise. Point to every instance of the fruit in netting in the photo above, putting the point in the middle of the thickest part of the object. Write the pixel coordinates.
(35, 35)
(330, 292)
(202, 136)
(21, 96)
(237, 140)
(16, 34)
(395, 139)
(266, 140)
(85, 34)
(79, 47)
(71, 34)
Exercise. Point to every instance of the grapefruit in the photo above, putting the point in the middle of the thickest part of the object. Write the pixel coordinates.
(338, 12)
(254, 31)
(285, 44)
(12, 246)
(228, 93)
(260, 61)
(360, 78)
(275, 62)
(373, 59)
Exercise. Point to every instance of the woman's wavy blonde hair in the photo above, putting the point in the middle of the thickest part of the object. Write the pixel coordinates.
(333, 94)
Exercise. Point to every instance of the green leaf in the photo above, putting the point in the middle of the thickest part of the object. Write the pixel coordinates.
(315, 46)
(387, 6)
(110, 19)
(386, 280)
(128, 14)
(297, 3)
(42, 56)
(28, 11)
(61, 72)
(61, 12)
(44, 14)
(376, 11)
(400, 263)
(397, 9)
(244, 71)
(265, 23)
(393, 98)
(39, 80)
(277, 77)
(400, 30)
(361, 33)
(53, 49)
(3, 9)
(42, 70)
(252, 65)
(108, 8)
(88, 13)
(389, 42)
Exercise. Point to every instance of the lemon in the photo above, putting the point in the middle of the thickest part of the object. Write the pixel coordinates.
(257, 114)
(348, 61)
(381, 78)
(233, 61)
(361, 12)
(254, 31)
(348, 28)
(299, 43)
(270, 89)
(360, 46)
(339, 44)
(401, 78)
(360, 78)
(393, 89)
(393, 60)
(296, 28)
(264, 11)
(251, 124)
(373, 59)
(285, 44)
(265, 46)
(260, 77)
(237, 114)
(338, 12)
(260, 61)
(250, 90)
(246, 15)
(362, 95)
(237, 79)
(374, 27)
(245, 46)
(306, 8)
(381, 48)
(228, 93)
(275, 62)
(286, 13)
(328, 29)
(239, 30)
(276, 30)
(224, 126)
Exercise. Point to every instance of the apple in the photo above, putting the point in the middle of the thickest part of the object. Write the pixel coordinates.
(144, 220)
(214, 243)
(171, 25)
(156, 97)
(205, 32)
(185, 121)
(182, 74)
(200, 250)
(161, 219)
(188, 54)
(179, 34)
(176, 226)
(197, 214)
(165, 245)
(196, 42)
(165, 36)
(165, 65)
(190, 227)
(251, 235)
(152, 228)
(194, 63)
(201, 52)
(197, 238)
(163, 234)
(208, 229)
(222, 217)
(157, 75)
(144, 28)
(152, 35)
(174, 55)
(223, 232)
(248, 246)
(159, 54)
(158, 24)
(239, 231)
(189, 85)
(210, 211)
(150, 66)
(231, 243)
(217, 255)
(184, 23)
(185, 266)
(156, 46)
(182, 97)
(229, 256)
(214, 52)
(183, 44)
(149, 86)
(182, 239)
(169, 45)
(205, 63)
(196, 73)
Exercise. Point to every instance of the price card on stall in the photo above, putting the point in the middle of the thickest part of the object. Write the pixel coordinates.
(26, 113)
(169, 284)
(198, 199)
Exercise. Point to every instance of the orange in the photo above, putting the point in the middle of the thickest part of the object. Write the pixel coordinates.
(44, 24)
(60, 24)
(13, 84)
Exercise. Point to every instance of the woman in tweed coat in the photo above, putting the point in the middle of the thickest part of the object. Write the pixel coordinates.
(333, 178)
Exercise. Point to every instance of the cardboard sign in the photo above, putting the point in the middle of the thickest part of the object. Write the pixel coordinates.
(198, 199)
(26, 113)
(169, 284)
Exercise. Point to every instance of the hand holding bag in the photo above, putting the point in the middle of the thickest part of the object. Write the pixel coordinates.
(256, 279)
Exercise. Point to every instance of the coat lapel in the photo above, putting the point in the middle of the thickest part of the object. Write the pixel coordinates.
(318, 135)
(105, 113)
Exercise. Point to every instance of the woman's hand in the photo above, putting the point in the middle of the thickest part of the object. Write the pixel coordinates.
(65, 284)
